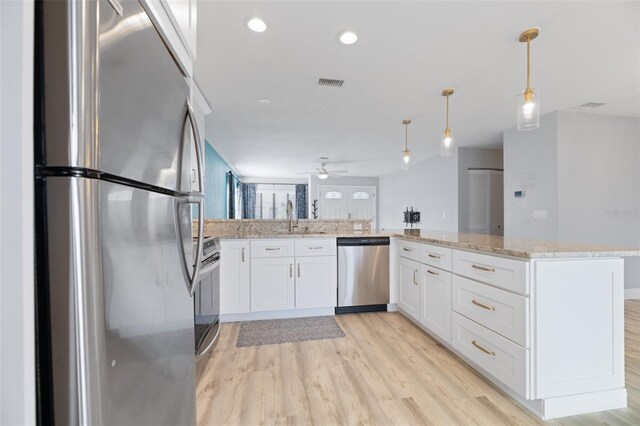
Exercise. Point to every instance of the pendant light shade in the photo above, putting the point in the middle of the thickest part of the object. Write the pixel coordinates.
(448, 145)
(529, 100)
(406, 154)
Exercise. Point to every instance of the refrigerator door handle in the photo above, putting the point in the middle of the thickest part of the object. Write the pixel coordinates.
(192, 278)
(196, 136)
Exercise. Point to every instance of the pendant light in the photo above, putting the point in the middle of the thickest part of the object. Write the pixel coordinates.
(406, 155)
(447, 147)
(528, 101)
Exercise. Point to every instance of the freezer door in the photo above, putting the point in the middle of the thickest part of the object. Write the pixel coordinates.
(122, 316)
(118, 104)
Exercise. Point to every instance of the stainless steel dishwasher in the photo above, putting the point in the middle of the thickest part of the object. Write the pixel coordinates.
(363, 274)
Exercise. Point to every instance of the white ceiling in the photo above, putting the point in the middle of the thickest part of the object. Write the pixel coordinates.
(406, 54)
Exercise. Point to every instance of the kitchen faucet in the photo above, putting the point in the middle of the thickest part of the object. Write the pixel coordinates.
(290, 216)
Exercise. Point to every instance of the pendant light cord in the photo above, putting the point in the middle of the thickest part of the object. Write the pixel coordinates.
(406, 132)
(529, 63)
(447, 115)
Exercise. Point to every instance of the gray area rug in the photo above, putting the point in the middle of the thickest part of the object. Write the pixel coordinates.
(270, 332)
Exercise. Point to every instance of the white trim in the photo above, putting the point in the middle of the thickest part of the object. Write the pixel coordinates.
(632, 293)
(199, 97)
(17, 316)
(297, 313)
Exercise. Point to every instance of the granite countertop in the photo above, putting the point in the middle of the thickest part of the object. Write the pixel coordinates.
(492, 244)
(267, 235)
(509, 246)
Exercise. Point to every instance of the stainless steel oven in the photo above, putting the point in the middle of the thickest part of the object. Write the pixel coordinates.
(207, 304)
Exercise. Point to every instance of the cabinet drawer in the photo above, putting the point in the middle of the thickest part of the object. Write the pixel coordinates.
(500, 311)
(272, 248)
(500, 357)
(440, 257)
(316, 247)
(409, 249)
(509, 274)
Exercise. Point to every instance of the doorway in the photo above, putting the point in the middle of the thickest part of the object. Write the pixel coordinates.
(347, 202)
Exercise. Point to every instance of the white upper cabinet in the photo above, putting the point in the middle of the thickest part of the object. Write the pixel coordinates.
(183, 15)
(176, 22)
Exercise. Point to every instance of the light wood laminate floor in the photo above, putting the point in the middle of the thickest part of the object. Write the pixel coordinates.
(385, 371)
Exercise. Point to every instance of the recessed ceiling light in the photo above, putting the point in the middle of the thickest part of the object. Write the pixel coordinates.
(319, 106)
(264, 101)
(347, 37)
(257, 25)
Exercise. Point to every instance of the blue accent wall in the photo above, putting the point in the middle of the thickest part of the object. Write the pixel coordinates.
(215, 184)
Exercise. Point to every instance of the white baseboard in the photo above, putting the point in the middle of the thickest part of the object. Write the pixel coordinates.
(632, 293)
(296, 313)
(392, 307)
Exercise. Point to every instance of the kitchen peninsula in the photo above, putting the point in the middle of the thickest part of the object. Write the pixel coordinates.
(543, 320)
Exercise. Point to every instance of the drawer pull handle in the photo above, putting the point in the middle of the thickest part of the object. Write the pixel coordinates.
(414, 277)
(474, 343)
(407, 249)
(243, 254)
(434, 256)
(272, 248)
(290, 270)
(482, 305)
(483, 268)
(433, 273)
(316, 248)
(298, 270)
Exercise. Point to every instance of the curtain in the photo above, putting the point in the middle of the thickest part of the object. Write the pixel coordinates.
(234, 200)
(301, 201)
(248, 191)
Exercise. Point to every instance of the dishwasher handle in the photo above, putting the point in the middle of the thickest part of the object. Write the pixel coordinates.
(363, 241)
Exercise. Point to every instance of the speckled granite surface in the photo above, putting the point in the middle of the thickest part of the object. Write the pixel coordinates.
(506, 246)
(517, 247)
(257, 228)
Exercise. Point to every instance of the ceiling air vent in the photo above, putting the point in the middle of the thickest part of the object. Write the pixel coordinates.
(591, 105)
(330, 82)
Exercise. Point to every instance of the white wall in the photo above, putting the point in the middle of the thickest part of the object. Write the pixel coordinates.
(430, 187)
(315, 182)
(580, 167)
(17, 352)
(472, 158)
(531, 164)
(599, 182)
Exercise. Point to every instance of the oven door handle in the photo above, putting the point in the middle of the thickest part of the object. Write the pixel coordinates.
(209, 268)
(202, 352)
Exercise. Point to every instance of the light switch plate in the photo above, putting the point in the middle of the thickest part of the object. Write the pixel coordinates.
(540, 214)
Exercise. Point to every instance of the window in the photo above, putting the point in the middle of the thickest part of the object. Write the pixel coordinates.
(360, 195)
(333, 195)
(271, 201)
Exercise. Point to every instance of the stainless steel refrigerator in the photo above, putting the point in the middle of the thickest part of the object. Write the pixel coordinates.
(115, 264)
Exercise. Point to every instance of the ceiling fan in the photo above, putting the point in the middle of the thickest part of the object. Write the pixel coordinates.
(323, 173)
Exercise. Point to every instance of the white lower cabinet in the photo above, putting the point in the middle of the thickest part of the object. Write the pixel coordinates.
(316, 282)
(409, 297)
(272, 284)
(277, 275)
(548, 331)
(435, 301)
(235, 277)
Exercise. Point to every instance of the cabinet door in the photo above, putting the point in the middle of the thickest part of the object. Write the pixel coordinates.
(183, 15)
(409, 298)
(435, 301)
(272, 284)
(316, 282)
(235, 277)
